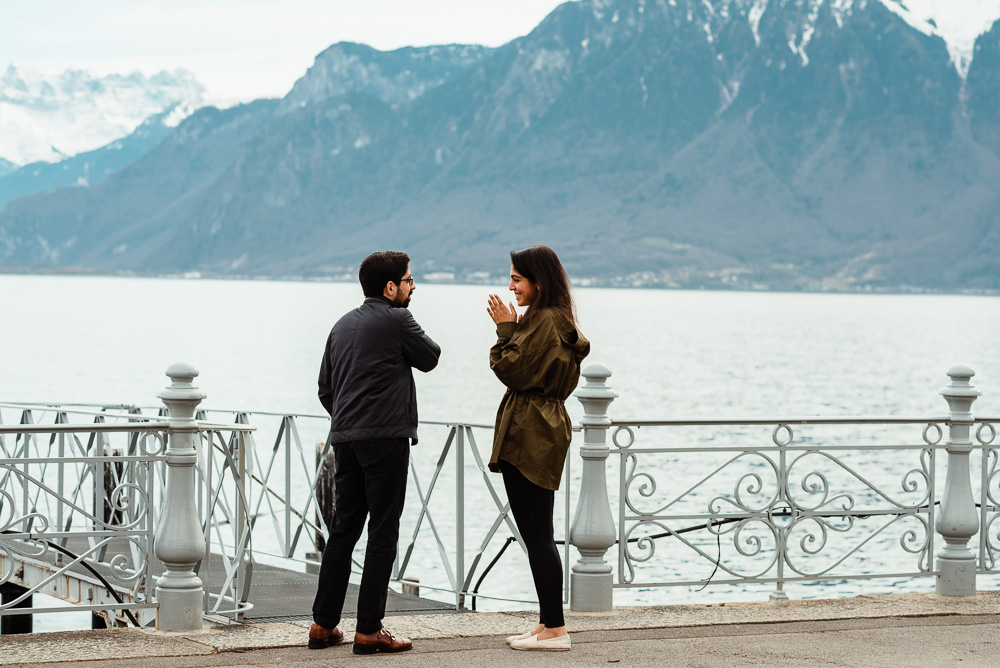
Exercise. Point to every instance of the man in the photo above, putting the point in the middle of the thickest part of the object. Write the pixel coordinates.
(366, 385)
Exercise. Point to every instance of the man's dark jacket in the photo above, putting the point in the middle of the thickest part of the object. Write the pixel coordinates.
(366, 380)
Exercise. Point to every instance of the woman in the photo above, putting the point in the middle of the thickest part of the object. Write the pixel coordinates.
(537, 356)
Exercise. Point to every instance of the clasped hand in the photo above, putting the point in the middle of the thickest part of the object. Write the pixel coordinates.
(501, 312)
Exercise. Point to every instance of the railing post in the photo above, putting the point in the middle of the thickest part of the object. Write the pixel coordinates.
(958, 520)
(179, 541)
(593, 530)
(460, 517)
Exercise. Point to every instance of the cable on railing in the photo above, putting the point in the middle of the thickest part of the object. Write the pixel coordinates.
(699, 527)
(93, 571)
(666, 534)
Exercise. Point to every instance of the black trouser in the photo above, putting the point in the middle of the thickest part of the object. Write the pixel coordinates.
(532, 508)
(370, 479)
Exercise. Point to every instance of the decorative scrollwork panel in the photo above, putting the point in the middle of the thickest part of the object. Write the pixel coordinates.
(989, 497)
(75, 504)
(774, 504)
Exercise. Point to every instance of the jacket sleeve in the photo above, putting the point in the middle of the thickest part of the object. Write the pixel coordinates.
(514, 358)
(325, 390)
(419, 350)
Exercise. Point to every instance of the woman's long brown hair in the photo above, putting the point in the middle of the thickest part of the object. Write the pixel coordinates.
(541, 266)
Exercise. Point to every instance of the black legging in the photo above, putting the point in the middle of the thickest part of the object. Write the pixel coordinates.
(532, 508)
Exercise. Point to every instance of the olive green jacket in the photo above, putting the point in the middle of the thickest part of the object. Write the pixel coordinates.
(539, 362)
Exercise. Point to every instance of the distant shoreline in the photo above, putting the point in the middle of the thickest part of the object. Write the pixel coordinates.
(641, 281)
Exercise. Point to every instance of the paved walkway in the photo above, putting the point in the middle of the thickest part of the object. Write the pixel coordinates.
(866, 631)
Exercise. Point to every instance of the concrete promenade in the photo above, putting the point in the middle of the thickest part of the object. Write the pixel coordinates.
(893, 630)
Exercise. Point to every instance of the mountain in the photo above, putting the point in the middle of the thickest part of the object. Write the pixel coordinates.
(49, 118)
(394, 76)
(742, 143)
(91, 167)
(958, 22)
(143, 200)
(984, 91)
(149, 197)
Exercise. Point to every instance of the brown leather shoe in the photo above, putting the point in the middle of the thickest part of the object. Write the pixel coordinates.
(383, 641)
(320, 637)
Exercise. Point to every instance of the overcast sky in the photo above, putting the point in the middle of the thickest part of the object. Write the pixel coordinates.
(241, 49)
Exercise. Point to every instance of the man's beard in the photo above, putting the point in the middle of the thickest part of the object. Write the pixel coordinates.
(402, 303)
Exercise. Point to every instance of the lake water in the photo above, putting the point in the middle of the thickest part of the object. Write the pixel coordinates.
(672, 353)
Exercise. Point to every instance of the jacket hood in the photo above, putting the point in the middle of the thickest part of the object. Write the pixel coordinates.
(572, 336)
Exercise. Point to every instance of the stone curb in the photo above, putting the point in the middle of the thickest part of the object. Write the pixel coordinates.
(144, 643)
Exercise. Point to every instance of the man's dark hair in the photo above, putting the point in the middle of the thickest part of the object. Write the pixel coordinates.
(541, 266)
(379, 268)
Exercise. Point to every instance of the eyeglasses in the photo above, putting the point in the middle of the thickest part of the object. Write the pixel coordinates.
(406, 280)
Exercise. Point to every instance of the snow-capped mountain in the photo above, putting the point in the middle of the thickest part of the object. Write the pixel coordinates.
(958, 22)
(49, 118)
(785, 143)
(89, 168)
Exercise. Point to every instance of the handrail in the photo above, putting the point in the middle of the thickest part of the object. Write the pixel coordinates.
(731, 421)
(93, 427)
(100, 428)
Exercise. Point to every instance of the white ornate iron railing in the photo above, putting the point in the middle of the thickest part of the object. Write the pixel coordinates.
(781, 495)
(79, 505)
(779, 500)
(796, 499)
(291, 470)
(989, 495)
(445, 541)
(76, 513)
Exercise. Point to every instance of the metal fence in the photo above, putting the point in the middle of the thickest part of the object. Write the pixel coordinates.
(76, 511)
(261, 480)
(82, 492)
(455, 526)
(697, 501)
(774, 501)
(787, 499)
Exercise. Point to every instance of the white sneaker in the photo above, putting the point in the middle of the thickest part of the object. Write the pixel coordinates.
(557, 644)
(521, 636)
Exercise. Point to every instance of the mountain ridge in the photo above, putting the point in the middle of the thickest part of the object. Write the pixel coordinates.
(663, 141)
(395, 76)
(89, 168)
(50, 118)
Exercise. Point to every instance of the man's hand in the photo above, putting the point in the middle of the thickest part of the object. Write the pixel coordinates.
(499, 311)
